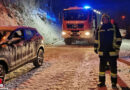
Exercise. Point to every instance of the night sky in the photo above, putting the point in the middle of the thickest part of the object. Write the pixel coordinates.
(107, 6)
(115, 8)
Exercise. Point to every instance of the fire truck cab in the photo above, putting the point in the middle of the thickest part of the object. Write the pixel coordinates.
(79, 24)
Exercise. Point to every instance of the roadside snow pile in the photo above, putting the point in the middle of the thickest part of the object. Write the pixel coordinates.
(50, 32)
(6, 18)
(21, 12)
(125, 49)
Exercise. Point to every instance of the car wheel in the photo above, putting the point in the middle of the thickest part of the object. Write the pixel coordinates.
(2, 73)
(40, 57)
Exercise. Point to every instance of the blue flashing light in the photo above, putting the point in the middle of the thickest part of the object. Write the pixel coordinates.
(87, 7)
(51, 18)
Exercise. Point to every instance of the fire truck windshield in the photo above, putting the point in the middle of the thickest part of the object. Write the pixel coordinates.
(75, 14)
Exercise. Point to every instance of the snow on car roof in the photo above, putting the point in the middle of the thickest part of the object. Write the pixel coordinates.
(12, 28)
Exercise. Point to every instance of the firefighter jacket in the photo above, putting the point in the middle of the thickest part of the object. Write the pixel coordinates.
(107, 40)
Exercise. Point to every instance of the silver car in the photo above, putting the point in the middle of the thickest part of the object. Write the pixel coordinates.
(18, 46)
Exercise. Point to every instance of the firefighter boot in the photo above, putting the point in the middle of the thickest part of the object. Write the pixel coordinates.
(114, 82)
(101, 81)
(114, 86)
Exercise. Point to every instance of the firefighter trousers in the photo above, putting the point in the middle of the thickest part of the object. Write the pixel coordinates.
(113, 67)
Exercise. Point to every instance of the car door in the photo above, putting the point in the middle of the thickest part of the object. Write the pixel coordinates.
(6, 51)
(30, 44)
(17, 42)
(12, 56)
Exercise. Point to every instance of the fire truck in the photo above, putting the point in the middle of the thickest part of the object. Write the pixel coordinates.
(80, 23)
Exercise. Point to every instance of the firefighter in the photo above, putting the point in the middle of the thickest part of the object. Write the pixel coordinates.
(107, 44)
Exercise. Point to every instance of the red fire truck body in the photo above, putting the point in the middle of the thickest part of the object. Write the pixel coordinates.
(79, 24)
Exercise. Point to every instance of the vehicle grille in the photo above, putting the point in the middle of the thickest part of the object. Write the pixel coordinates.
(74, 32)
(75, 26)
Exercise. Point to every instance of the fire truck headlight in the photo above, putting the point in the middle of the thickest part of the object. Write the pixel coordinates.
(87, 33)
(63, 33)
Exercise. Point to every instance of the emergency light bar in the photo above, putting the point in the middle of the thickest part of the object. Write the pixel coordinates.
(87, 7)
(96, 11)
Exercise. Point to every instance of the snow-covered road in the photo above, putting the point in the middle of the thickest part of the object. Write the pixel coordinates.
(66, 68)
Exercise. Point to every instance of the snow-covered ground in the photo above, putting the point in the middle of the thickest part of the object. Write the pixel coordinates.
(73, 67)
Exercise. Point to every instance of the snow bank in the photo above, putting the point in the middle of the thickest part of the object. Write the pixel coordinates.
(49, 31)
(21, 12)
(6, 18)
(125, 49)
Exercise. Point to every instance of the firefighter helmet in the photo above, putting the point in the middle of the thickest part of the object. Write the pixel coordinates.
(106, 16)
